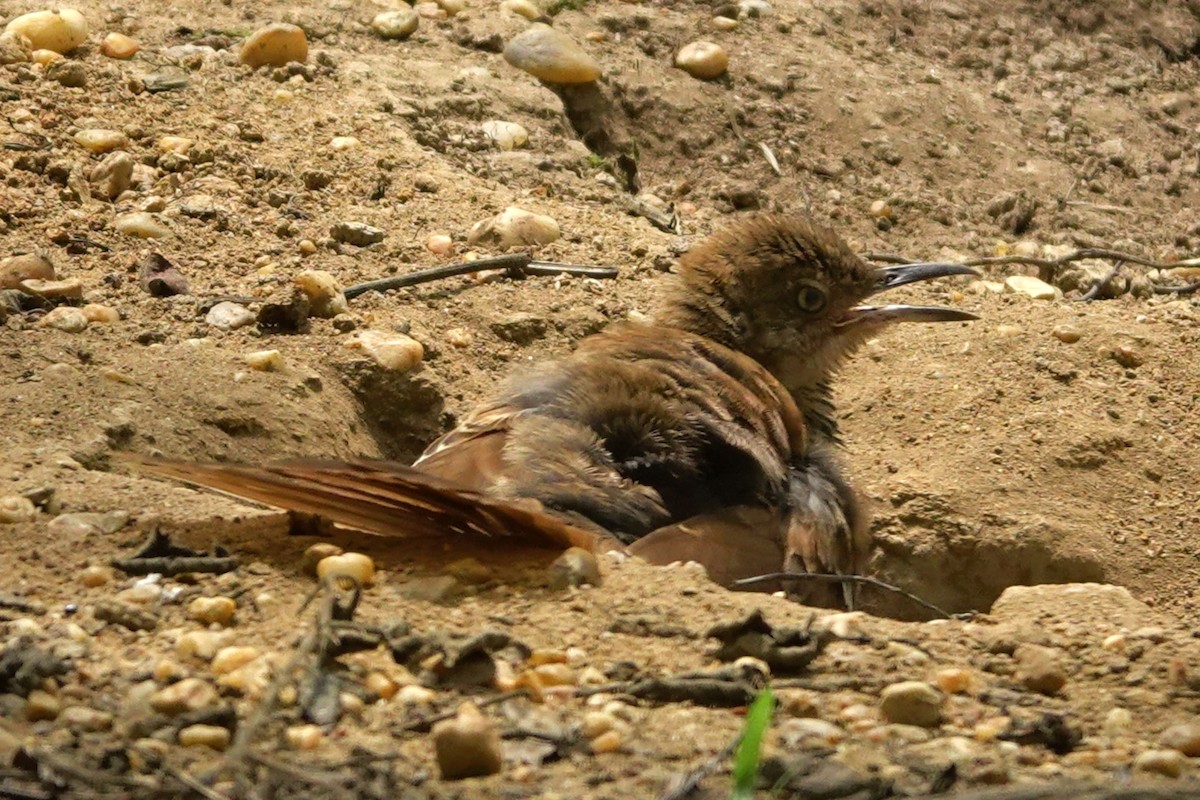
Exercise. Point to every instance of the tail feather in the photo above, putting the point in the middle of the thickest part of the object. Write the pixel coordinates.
(379, 497)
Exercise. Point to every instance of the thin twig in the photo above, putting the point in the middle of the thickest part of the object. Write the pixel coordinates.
(207, 792)
(691, 779)
(859, 579)
(518, 264)
(1100, 284)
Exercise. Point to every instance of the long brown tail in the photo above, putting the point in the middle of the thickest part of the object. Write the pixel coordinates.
(379, 497)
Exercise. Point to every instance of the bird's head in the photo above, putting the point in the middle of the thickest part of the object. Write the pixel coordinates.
(792, 295)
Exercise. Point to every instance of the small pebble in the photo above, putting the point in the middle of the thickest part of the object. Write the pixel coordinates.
(45, 58)
(1009, 331)
(522, 8)
(1184, 737)
(210, 610)
(1067, 334)
(304, 737)
(467, 746)
(29, 266)
(228, 659)
(67, 290)
(1115, 643)
(100, 140)
(114, 175)
(954, 680)
(550, 55)
(880, 209)
(459, 337)
(358, 234)
(354, 565)
(506, 135)
(275, 45)
(189, 694)
(59, 31)
(64, 318)
(324, 293)
(175, 144)
(912, 703)
(229, 316)
(168, 671)
(119, 46)
(396, 25)
(724, 23)
(1168, 763)
(1040, 669)
(703, 60)
(555, 675)
(264, 360)
(342, 143)
(395, 352)
(95, 576)
(609, 742)
(15, 48)
(1127, 356)
(515, 227)
(14, 508)
(440, 245)
(142, 224)
(42, 705)
(101, 314)
(315, 553)
(1032, 287)
(382, 685)
(415, 695)
(202, 644)
(575, 567)
(82, 718)
(1119, 722)
(211, 736)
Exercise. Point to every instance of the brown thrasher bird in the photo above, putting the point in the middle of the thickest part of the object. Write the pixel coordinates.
(708, 435)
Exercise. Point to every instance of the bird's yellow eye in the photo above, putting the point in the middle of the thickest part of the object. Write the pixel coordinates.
(811, 298)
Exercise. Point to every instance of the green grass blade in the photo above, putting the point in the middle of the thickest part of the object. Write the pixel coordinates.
(745, 762)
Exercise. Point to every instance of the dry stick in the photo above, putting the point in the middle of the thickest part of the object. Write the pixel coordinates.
(516, 263)
(196, 786)
(691, 780)
(1100, 284)
(1049, 266)
(860, 579)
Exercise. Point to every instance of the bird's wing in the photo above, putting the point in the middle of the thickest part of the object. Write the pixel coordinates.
(379, 497)
(472, 454)
(733, 543)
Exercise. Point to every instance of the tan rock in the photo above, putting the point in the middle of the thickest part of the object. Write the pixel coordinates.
(550, 55)
(468, 745)
(119, 46)
(703, 60)
(28, 266)
(275, 45)
(60, 31)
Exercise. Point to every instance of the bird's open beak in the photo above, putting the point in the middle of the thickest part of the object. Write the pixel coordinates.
(899, 275)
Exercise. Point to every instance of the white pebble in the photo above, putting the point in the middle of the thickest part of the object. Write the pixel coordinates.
(229, 316)
(506, 135)
(397, 24)
(440, 244)
(304, 737)
(1031, 286)
(522, 8)
(340, 143)
(15, 508)
(64, 318)
(60, 31)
